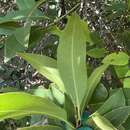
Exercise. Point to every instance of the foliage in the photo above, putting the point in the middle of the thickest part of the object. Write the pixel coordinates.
(80, 95)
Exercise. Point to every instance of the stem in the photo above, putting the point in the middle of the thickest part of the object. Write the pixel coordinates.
(70, 11)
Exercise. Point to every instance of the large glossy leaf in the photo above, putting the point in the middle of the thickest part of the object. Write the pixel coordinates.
(20, 104)
(72, 58)
(102, 122)
(93, 81)
(120, 58)
(46, 66)
(48, 127)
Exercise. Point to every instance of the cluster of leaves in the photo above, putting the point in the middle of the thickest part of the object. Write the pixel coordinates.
(79, 96)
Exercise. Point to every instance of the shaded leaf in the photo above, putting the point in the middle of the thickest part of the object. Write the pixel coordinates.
(93, 81)
(100, 94)
(96, 52)
(118, 116)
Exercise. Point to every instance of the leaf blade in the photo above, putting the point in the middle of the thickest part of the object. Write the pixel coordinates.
(75, 49)
(46, 66)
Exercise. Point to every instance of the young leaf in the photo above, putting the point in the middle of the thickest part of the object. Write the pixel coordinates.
(47, 127)
(45, 66)
(93, 81)
(72, 58)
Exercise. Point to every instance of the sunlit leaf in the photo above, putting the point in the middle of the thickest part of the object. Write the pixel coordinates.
(17, 104)
(119, 58)
(72, 57)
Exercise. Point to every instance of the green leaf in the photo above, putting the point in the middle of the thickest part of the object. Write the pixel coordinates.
(15, 16)
(45, 66)
(17, 42)
(128, 4)
(11, 47)
(127, 124)
(43, 92)
(93, 81)
(118, 116)
(17, 104)
(102, 122)
(121, 70)
(25, 4)
(126, 82)
(48, 127)
(113, 102)
(58, 95)
(72, 58)
(96, 52)
(100, 94)
(85, 128)
(119, 58)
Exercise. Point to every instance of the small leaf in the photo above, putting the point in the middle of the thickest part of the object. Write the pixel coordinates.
(48, 127)
(96, 52)
(119, 58)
